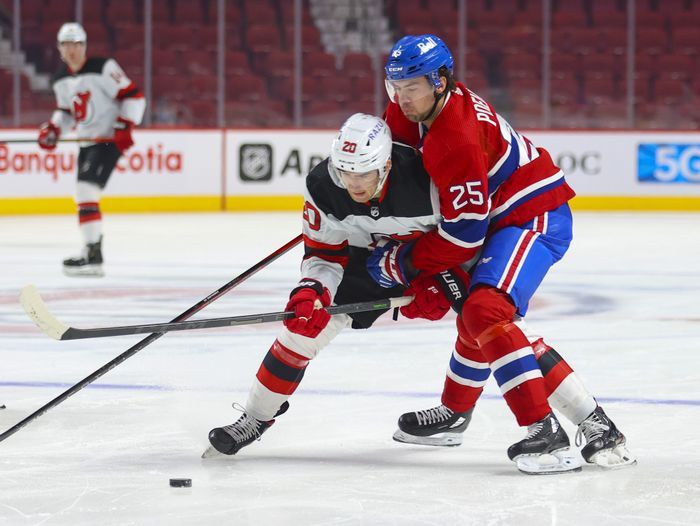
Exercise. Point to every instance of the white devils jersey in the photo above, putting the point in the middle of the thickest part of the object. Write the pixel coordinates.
(92, 99)
(336, 228)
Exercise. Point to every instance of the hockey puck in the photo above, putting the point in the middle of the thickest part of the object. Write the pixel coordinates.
(180, 483)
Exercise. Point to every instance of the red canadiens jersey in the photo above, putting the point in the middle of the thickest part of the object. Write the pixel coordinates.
(92, 99)
(488, 176)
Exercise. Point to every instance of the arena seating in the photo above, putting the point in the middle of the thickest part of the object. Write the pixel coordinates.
(504, 61)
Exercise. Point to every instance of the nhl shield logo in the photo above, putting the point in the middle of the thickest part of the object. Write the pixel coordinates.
(255, 162)
(374, 211)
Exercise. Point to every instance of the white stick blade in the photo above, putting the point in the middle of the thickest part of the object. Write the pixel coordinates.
(36, 309)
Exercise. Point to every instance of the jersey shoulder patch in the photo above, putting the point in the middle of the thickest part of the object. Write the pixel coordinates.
(94, 65)
(60, 73)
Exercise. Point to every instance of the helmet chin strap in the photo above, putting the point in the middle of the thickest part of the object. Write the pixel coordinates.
(429, 115)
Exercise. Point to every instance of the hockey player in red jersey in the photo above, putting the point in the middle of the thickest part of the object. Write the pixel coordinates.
(506, 219)
(95, 98)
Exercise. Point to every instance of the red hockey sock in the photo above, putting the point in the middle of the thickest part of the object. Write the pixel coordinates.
(282, 369)
(515, 368)
(467, 373)
(554, 368)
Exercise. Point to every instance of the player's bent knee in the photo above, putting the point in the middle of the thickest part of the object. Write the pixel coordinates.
(310, 347)
(484, 308)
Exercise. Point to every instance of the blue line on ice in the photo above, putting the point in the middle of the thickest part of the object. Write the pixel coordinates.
(338, 392)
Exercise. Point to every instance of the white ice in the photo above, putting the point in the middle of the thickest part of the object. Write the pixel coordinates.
(623, 307)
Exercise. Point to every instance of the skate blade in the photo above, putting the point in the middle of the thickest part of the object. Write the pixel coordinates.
(562, 461)
(617, 458)
(84, 271)
(441, 439)
(212, 452)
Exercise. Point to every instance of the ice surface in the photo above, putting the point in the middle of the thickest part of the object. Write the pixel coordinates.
(623, 307)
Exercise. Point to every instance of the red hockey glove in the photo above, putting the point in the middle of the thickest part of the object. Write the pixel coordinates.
(307, 301)
(122, 134)
(434, 295)
(48, 136)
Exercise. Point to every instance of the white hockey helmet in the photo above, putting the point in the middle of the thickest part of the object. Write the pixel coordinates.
(71, 32)
(362, 145)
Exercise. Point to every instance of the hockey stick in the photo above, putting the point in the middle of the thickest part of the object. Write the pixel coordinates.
(86, 139)
(153, 337)
(39, 313)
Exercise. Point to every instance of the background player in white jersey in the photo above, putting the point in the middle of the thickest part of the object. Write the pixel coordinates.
(368, 191)
(96, 99)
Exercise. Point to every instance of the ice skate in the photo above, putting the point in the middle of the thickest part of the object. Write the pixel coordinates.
(228, 440)
(545, 450)
(437, 426)
(87, 264)
(605, 444)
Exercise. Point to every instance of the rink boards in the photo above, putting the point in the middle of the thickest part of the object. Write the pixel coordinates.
(259, 170)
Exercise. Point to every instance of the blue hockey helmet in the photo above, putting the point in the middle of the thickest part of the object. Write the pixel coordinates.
(416, 56)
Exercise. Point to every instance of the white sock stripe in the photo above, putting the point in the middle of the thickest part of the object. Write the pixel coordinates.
(511, 357)
(521, 378)
(464, 381)
(468, 362)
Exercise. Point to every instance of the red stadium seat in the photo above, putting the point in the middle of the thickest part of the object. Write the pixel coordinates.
(669, 91)
(263, 38)
(189, 12)
(674, 66)
(237, 63)
(205, 86)
(336, 89)
(166, 62)
(651, 40)
(128, 36)
(357, 65)
(120, 12)
(92, 11)
(686, 41)
(260, 12)
(363, 89)
(203, 112)
(320, 64)
(161, 13)
(199, 62)
(288, 14)
(248, 87)
(608, 17)
(600, 89)
(176, 87)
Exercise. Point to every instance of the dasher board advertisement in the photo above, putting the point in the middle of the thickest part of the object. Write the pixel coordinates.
(162, 162)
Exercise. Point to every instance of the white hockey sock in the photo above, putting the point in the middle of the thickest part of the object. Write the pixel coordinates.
(572, 399)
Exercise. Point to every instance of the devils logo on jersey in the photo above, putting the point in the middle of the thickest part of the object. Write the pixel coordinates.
(81, 102)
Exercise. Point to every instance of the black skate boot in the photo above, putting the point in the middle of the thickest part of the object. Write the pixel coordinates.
(544, 450)
(230, 439)
(88, 264)
(605, 444)
(437, 426)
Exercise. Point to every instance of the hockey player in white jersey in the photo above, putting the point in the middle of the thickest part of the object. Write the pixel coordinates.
(368, 191)
(95, 98)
